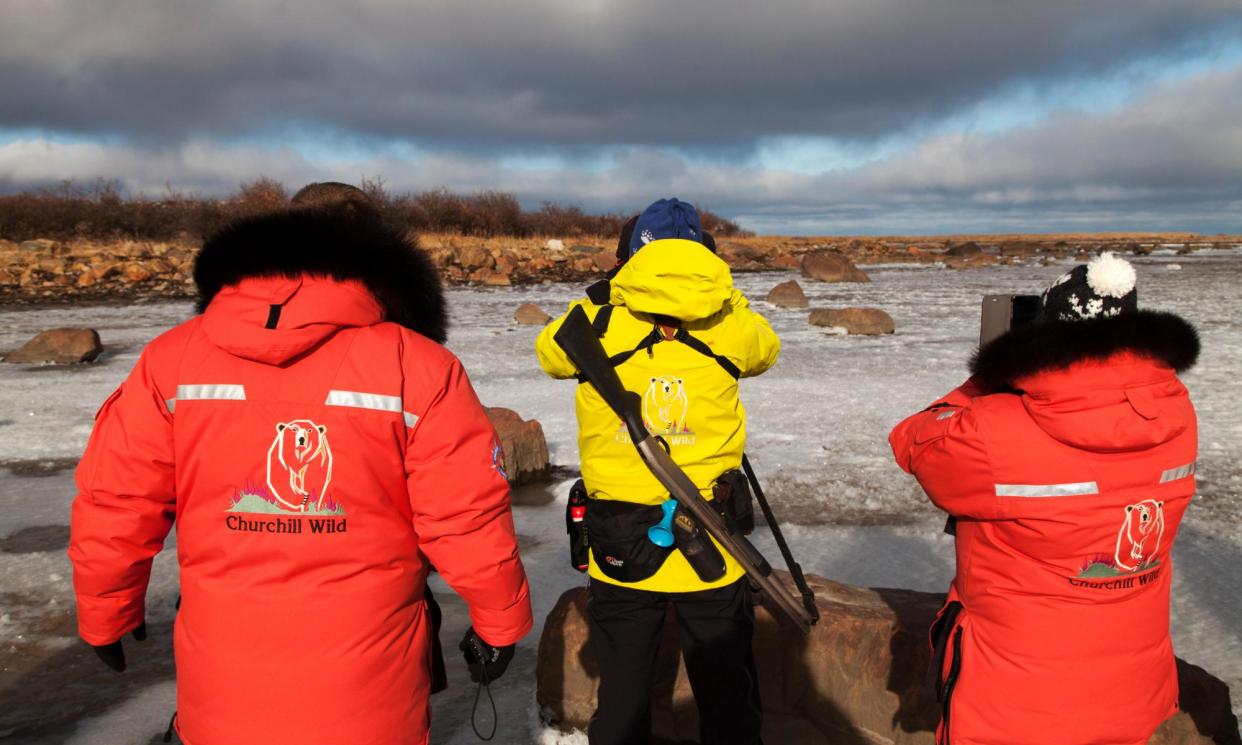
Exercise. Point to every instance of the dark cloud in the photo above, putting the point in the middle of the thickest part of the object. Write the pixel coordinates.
(541, 73)
(1168, 160)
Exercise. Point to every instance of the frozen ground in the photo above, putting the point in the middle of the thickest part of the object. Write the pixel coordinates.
(817, 436)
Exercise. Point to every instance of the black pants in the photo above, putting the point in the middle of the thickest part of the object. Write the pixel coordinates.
(716, 627)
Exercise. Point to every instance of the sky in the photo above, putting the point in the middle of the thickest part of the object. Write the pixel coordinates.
(790, 116)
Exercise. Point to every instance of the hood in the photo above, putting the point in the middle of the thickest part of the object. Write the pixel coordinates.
(674, 277)
(1104, 385)
(360, 254)
(276, 319)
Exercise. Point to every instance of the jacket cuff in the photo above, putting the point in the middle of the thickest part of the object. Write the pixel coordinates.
(102, 622)
(500, 628)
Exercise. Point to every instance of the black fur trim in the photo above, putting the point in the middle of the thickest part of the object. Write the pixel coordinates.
(1050, 345)
(333, 244)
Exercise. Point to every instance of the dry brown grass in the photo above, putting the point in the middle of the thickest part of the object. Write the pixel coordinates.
(100, 211)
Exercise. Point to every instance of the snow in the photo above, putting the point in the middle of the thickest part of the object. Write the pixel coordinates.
(818, 423)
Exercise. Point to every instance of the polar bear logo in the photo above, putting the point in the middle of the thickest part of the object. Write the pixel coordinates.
(665, 405)
(1140, 534)
(299, 464)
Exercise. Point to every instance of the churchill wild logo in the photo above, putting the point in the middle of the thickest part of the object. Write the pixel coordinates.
(666, 404)
(1138, 542)
(299, 464)
(297, 486)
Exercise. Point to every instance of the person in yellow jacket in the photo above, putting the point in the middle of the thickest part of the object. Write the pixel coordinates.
(680, 335)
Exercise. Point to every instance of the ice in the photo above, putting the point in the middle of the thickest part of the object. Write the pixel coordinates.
(818, 423)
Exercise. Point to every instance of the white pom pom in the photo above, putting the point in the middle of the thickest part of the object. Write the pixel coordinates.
(1110, 275)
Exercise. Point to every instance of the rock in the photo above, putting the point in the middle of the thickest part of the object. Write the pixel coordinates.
(493, 278)
(442, 257)
(859, 677)
(971, 261)
(529, 314)
(1019, 248)
(135, 272)
(555, 244)
(745, 251)
(475, 257)
(865, 321)
(786, 261)
(604, 260)
(829, 266)
(506, 263)
(788, 295)
(524, 445)
(61, 346)
(1206, 715)
(968, 248)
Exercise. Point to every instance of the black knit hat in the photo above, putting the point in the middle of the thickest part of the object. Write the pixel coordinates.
(623, 243)
(1101, 289)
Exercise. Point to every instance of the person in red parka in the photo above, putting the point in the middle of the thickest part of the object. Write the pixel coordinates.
(315, 447)
(1066, 461)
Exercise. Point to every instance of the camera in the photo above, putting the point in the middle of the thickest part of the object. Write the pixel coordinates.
(1003, 312)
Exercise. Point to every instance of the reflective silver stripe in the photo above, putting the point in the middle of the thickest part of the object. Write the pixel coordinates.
(1181, 472)
(1047, 490)
(171, 403)
(375, 401)
(213, 391)
(947, 415)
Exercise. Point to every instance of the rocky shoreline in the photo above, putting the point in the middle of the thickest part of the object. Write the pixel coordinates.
(52, 272)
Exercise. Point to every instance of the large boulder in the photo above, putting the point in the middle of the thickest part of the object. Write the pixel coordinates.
(830, 266)
(524, 445)
(475, 257)
(859, 677)
(60, 346)
(529, 314)
(864, 321)
(493, 278)
(604, 260)
(788, 295)
(969, 248)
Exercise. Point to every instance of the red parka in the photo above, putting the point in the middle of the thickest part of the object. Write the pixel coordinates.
(1067, 461)
(315, 453)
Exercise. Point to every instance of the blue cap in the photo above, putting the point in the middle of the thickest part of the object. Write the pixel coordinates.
(667, 218)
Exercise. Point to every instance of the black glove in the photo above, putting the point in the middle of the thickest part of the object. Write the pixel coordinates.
(484, 660)
(113, 655)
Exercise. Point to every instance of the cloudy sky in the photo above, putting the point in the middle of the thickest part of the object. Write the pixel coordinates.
(792, 116)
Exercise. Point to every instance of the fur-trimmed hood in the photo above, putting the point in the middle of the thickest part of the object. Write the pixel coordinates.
(327, 243)
(1050, 345)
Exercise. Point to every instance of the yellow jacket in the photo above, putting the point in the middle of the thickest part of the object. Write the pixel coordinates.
(688, 398)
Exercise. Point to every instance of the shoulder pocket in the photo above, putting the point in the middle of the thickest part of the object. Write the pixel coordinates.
(936, 423)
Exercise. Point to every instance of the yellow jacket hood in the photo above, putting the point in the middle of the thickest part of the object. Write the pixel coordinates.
(674, 277)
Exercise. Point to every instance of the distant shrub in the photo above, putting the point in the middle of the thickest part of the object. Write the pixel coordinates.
(100, 211)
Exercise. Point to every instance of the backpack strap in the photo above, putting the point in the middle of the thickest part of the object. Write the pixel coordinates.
(600, 323)
(701, 347)
(600, 292)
